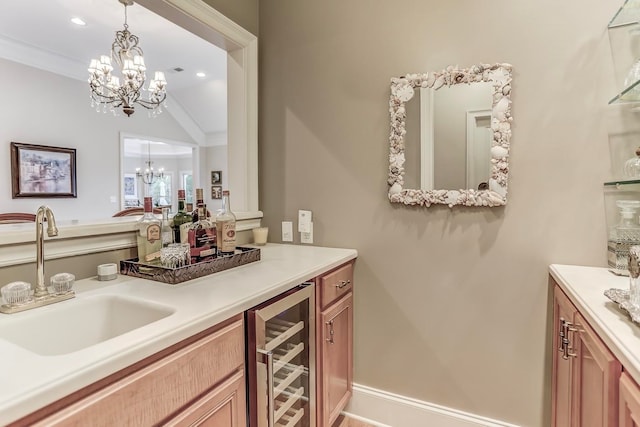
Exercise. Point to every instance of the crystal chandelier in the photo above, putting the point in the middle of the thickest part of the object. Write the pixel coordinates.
(149, 176)
(107, 91)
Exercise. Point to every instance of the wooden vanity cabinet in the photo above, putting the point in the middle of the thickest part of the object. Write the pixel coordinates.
(629, 402)
(199, 381)
(334, 350)
(585, 372)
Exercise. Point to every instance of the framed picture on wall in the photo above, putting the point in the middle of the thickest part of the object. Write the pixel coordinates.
(216, 192)
(130, 186)
(216, 177)
(42, 171)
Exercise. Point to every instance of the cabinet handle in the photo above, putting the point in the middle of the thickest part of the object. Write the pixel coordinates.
(331, 332)
(570, 347)
(342, 284)
(561, 335)
(565, 344)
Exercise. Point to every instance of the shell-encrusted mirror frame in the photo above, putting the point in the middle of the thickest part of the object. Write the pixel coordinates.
(402, 90)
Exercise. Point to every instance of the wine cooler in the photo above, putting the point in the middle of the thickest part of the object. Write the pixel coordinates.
(281, 360)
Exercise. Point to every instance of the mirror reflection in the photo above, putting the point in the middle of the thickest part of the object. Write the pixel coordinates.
(157, 169)
(449, 138)
(47, 100)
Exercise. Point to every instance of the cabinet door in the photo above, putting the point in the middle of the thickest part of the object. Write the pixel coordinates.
(595, 383)
(563, 311)
(153, 393)
(629, 402)
(336, 381)
(223, 406)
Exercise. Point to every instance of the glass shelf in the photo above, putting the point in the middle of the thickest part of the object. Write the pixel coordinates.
(628, 14)
(622, 182)
(628, 94)
(624, 39)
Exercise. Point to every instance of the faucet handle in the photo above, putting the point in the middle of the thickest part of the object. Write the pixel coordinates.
(16, 292)
(62, 282)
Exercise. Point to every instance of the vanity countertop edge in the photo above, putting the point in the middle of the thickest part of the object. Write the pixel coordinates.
(585, 288)
(29, 381)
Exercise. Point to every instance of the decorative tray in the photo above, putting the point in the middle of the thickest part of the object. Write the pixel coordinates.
(621, 297)
(173, 276)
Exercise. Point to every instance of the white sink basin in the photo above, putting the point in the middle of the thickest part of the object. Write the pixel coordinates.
(78, 323)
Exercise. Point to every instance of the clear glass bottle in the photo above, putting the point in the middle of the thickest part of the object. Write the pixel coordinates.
(181, 221)
(202, 234)
(149, 234)
(632, 166)
(624, 235)
(226, 227)
(166, 230)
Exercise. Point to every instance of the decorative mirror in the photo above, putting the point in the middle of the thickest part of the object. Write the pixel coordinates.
(452, 128)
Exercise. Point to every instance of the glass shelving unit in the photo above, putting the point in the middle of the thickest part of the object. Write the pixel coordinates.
(624, 38)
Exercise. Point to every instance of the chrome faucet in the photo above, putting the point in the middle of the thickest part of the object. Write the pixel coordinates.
(40, 288)
(41, 295)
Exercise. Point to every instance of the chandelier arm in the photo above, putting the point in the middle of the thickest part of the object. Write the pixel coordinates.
(150, 105)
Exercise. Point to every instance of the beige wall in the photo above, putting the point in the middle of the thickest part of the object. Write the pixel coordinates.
(452, 305)
(242, 12)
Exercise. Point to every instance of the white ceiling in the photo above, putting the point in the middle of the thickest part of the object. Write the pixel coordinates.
(39, 33)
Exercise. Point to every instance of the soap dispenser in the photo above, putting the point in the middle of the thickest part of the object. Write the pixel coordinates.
(622, 236)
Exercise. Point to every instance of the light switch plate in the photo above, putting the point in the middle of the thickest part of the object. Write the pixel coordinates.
(304, 221)
(287, 231)
(307, 237)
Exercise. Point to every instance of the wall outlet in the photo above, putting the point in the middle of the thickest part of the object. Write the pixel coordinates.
(112, 199)
(307, 237)
(287, 231)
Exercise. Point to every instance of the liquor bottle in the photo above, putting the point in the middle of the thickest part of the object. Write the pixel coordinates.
(199, 201)
(226, 227)
(149, 234)
(181, 221)
(166, 231)
(202, 236)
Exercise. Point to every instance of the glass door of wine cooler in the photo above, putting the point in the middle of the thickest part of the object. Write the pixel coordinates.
(282, 361)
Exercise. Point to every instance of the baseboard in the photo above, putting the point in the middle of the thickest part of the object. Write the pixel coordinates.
(384, 409)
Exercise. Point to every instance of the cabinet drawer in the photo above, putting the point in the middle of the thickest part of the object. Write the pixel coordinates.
(150, 395)
(335, 284)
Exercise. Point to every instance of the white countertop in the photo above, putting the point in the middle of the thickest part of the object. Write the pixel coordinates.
(585, 288)
(29, 381)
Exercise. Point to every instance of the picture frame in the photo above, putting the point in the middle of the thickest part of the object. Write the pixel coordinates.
(130, 186)
(216, 192)
(216, 177)
(42, 171)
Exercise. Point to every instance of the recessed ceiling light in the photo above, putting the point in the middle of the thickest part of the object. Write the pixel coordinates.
(78, 21)
(200, 74)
